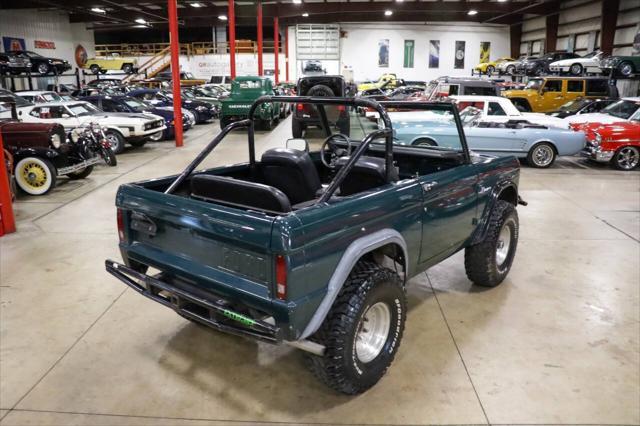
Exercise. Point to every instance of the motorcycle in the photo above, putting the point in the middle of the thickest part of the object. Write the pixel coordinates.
(91, 140)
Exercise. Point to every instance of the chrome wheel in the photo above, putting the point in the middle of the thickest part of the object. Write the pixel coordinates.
(627, 158)
(373, 332)
(543, 155)
(503, 245)
(43, 69)
(156, 136)
(626, 69)
(576, 69)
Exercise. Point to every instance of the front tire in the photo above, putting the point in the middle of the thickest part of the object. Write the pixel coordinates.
(362, 331)
(127, 68)
(626, 69)
(296, 128)
(109, 157)
(627, 158)
(488, 263)
(116, 141)
(511, 70)
(35, 176)
(138, 142)
(542, 155)
(576, 69)
(490, 69)
(95, 69)
(43, 69)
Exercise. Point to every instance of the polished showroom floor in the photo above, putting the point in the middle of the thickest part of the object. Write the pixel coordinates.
(556, 343)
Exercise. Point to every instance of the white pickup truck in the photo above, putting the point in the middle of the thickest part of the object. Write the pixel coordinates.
(133, 128)
(497, 109)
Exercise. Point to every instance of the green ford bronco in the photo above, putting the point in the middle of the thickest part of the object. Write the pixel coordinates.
(314, 249)
(244, 92)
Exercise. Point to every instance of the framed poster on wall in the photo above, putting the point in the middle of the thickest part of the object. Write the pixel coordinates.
(13, 43)
(485, 51)
(409, 47)
(458, 63)
(383, 53)
(434, 53)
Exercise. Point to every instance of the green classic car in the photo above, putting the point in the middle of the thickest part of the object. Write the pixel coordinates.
(315, 249)
(244, 92)
(625, 66)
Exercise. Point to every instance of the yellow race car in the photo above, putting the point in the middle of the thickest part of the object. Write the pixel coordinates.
(114, 63)
(386, 81)
(490, 67)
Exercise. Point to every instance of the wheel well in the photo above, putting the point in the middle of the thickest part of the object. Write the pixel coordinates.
(389, 255)
(509, 194)
(431, 141)
(555, 149)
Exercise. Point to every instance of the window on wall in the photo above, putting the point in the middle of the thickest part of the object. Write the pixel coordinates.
(409, 49)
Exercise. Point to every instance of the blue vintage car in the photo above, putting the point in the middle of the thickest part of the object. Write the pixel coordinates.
(540, 145)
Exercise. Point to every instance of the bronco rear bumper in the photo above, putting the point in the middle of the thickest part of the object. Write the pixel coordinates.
(210, 311)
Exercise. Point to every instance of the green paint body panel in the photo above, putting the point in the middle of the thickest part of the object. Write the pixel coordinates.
(231, 252)
(237, 105)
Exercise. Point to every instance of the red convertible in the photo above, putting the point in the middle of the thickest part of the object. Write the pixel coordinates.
(617, 143)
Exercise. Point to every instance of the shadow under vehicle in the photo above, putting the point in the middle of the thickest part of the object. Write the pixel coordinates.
(314, 249)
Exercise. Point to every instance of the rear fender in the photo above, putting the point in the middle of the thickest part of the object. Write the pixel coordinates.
(356, 250)
(505, 190)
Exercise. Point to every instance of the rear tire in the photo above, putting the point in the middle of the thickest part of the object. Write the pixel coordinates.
(362, 331)
(320, 90)
(127, 68)
(296, 128)
(95, 69)
(488, 263)
(542, 155)
(511, 70)
(626, 68)
(490, 69)
(81, 174)
(576, 69)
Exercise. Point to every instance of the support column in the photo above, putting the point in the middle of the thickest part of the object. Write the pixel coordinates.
(232, 39)
(276, 46)
(7, 220)
(551, 35)
(608, 25)
(260, 67)
(286, 52)
(515, 33)
(175, 70)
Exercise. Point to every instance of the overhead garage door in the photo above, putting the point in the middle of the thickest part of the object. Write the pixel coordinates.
(317, 41)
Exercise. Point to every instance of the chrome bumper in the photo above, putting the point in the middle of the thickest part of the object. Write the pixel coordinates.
(595, 153)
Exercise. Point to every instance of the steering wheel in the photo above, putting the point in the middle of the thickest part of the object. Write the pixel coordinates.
(334, 151)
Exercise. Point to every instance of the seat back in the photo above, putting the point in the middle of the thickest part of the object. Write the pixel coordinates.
(292, 172)
(239, 193)
(367, 173)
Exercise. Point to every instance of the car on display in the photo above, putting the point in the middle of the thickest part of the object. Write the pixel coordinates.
(41, 154)
(39, 96)
(491, 66)
(104, 82)
(497, 109)
(446, 86)
(624, 66)
(208, 94)
(539, 145)
(510, 67)
(615, 143)
(547, 94)
(62, 88)
(581, 106)
(11, 63)
(44, 65)
(111, 63)
(202, 111)
(403, 92)
(244, 91)
(313, 67)
(121, 128)
(128, 104)
(222, 80)
(540, 65)
(625, 109)
(306, 115)
(314, 249)
(201, 96)
(386, 81)
(186, 78)
(20, 103)
(589, 63)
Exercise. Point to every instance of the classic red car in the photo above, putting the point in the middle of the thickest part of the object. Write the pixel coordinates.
(617, 143)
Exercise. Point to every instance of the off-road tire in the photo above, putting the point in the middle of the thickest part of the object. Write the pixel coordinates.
(297, 128)
(320, 90)
(480, 259)
(340, 367)
(81, 174)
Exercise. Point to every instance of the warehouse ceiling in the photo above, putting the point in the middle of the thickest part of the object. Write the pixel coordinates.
(112, 15)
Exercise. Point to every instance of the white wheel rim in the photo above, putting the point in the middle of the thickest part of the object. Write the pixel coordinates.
(156, 136)
(503, 245)
(373, 331)
(543, 155)
(628, 158)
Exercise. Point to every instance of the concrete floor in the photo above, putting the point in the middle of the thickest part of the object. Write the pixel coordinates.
(556, 343)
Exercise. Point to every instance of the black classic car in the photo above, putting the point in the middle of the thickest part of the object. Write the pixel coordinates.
(540, 65)
(42, 64)
(581, 106)
(11, 63)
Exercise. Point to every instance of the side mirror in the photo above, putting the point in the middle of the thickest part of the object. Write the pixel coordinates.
(298, 143)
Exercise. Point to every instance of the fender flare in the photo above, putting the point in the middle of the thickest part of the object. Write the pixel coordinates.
(46, 153)
(350, 257)
(481, 229)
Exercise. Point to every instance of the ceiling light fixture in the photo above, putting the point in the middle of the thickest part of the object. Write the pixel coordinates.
(195, 4)
(388, 13)
(472, 12)
(141, 21)
(305, 15)
(98, 10)
(501, 1)
(222, 17)
(297, 1)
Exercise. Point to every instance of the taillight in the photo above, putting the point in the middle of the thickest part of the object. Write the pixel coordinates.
(120, 216)
(300, 107)
(281, 277)
(342, 108)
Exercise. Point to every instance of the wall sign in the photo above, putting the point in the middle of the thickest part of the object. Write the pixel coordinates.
(80, 55)
(13, 43)
(42, 44)
(383, 53)
(434, 53)
(409, 47)
(459, 61)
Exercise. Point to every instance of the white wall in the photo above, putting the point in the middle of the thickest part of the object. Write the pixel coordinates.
(359, 48)
(31, 25)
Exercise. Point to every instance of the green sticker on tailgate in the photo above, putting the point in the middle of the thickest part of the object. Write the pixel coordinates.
(237, 317)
